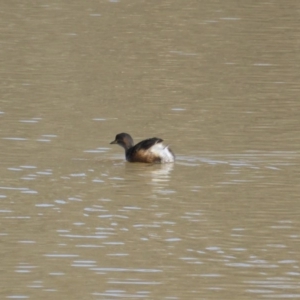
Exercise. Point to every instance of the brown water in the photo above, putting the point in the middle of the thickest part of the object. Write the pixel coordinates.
(219, 81)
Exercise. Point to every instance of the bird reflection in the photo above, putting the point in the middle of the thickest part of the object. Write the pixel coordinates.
(156, 175)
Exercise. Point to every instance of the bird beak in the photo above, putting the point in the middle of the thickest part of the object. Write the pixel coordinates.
(114, 142)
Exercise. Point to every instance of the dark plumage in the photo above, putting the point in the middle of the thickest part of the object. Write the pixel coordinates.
(149, 151)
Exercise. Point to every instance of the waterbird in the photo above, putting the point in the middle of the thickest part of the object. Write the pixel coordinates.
(147, 151)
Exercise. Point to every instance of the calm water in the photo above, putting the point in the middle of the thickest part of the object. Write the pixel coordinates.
(217, 81)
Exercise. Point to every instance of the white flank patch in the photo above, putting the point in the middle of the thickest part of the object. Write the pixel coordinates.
(163, 152)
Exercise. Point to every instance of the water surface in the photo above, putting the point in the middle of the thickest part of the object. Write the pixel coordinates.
(218, 82)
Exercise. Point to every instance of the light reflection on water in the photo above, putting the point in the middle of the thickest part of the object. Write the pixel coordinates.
(78, 221)
(187, 234)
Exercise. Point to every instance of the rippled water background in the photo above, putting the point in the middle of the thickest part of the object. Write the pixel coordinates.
(218, 81)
